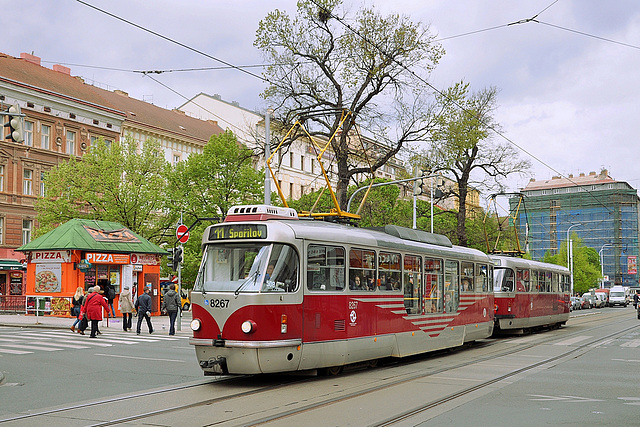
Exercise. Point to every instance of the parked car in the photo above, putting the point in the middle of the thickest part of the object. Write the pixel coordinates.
(601, 300)
(585, 301)
(576, 304)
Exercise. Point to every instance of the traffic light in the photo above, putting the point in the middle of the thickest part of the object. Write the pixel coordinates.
(16, 132)
(177, 257)
(419, 187)
(171, 257)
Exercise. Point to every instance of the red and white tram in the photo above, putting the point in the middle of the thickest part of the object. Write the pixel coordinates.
(276, 293)
(530, 294)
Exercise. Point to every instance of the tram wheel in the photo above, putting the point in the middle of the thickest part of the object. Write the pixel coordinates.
(331, 371)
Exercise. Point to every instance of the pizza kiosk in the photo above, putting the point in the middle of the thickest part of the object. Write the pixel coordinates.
(79, 253)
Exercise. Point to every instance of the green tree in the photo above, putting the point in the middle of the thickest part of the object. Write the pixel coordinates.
(586, 264)
(324, 62)
(462, 147)
(206, 185)
(119, 182)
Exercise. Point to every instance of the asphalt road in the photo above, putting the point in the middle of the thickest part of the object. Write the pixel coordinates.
(582, 374)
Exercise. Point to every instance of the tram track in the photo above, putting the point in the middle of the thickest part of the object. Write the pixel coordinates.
(488, 349)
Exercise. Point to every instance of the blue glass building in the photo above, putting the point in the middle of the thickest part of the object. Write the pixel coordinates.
(603, 213)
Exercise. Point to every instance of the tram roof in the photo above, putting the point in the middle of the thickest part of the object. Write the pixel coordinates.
(389, 237)
(506, 261)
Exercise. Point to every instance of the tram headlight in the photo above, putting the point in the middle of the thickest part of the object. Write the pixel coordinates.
(248, 326)
(195, 324)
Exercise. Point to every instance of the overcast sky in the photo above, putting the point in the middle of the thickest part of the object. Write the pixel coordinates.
(569, 84)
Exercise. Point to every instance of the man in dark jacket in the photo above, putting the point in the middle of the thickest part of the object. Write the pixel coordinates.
(143, 305)
(171, 304)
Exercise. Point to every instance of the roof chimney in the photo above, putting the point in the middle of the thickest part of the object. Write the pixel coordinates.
(62, 69)
(121, 92)
(30, 58)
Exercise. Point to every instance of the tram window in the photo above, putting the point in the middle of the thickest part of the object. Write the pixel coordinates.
(505, 280)
(566, 283)
(451, 287)
(325, 268)
(554, 282)
(362, 270)
(534, 281)
(548, 281)
(389, 269)
(467, 277)
(433, 285)
(481, 278)
(412, 290)
(282, 270)
(522, 280)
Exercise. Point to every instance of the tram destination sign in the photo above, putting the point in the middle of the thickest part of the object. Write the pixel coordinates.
(238, 232)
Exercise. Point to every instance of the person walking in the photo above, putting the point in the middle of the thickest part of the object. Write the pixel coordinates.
(93, 310)
(143, 305)
(171, 304)
(76, 306)
(126, 308)
(110, 293)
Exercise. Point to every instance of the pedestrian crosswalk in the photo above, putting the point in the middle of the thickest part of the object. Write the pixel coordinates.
(16, 342)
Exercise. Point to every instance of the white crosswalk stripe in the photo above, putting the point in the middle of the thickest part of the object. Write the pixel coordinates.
(21, 342)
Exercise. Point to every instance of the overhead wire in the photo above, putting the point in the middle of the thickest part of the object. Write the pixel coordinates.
(460, 106)
(349, 27)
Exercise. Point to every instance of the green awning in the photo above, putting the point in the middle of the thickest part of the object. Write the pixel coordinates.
(10, 264)
(93, 235)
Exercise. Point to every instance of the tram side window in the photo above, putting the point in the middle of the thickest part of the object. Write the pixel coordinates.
(555, 283)
(362, 270)
(535, 286)
(451, 286)
(411, 277)
(433, 285)
(389, 270)
(325, 268)
(482, 278)
(566, 283)
(522, 280)
(466, 280)
(548, 281)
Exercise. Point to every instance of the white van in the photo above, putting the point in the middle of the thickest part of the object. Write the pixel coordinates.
(617, 296)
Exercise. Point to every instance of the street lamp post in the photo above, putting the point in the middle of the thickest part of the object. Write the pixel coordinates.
(569, 256)
(602, 263)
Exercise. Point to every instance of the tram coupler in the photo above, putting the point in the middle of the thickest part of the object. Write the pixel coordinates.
(219, 364)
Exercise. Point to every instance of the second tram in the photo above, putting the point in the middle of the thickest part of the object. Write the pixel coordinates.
(530, 294)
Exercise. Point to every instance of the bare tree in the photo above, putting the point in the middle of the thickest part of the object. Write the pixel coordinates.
(325, 63)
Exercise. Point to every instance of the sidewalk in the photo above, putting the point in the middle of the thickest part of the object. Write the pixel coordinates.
(160, 323)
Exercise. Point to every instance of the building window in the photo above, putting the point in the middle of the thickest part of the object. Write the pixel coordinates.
(291, 190)
(176, 159)
(42, 184)
(291, 160)
(27, 182)
(45, 135)
(302, 163)
(28, 133)
(71, 142)
(94, 141)
(1, 177)
(1, 229)
(27, 225)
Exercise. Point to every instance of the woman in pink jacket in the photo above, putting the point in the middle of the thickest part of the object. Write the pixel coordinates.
(92, 308)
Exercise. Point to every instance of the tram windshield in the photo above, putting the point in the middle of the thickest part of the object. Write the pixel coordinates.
(248, 267)
(503, 279)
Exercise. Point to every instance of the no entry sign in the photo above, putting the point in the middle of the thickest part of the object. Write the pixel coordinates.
(182, 233)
